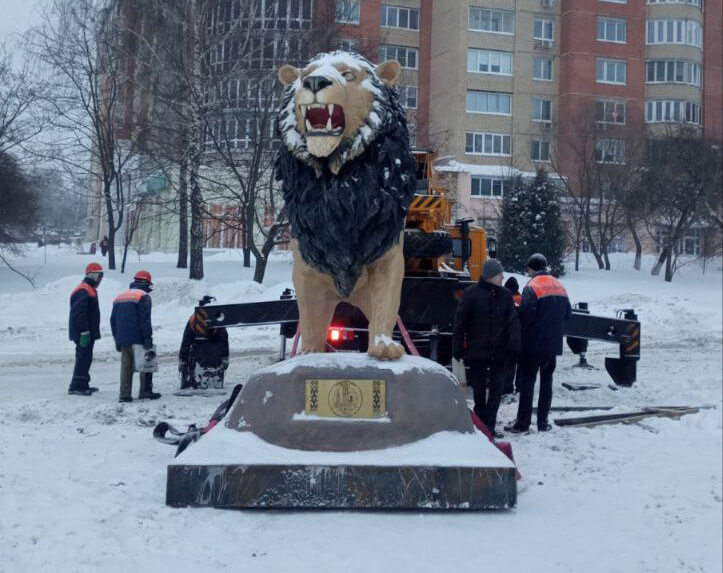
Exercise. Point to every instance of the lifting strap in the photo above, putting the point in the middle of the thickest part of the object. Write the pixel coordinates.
(405, 336)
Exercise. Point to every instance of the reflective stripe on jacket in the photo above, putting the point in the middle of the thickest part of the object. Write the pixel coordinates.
(544, 309)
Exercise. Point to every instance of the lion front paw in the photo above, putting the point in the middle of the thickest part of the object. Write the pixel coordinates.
(384, 348)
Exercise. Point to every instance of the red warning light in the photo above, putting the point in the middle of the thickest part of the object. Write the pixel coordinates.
(334, 334)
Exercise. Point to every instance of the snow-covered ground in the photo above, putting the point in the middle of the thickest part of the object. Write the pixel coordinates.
(82, 482)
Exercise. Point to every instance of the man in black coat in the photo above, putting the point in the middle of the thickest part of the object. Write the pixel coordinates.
(84, 328)
(544, 309)
(487, 335)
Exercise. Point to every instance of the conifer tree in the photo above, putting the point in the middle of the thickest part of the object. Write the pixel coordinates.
(531, 224)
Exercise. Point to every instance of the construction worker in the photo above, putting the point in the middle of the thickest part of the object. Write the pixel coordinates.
(84, 328)
(207, 348)
(130, 323)
(487, 334)
(544, 309)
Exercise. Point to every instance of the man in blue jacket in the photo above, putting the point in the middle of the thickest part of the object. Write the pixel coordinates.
(84, 328)
(544, 308)
(130, 322)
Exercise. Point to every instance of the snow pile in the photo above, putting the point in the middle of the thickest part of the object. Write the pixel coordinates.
(228, 446)
(82, 482)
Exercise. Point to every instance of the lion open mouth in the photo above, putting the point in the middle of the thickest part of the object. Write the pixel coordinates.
(323, 119)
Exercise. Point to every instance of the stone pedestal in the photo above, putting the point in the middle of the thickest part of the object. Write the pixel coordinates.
(345, 431)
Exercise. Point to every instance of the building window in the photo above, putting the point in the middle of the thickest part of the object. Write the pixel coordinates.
(610, 111)
(487, 144)
(610, 71)
(489, 102)
(542, 29)
(697, 3)
(540, 150)
(674, 32)
(609, 150)
(672, 72)
(492, 21)
(612, 30)
(489, 62)
(349, 45)
(397, 17)
(541, 109)
(615, 1)
(347, 11)
(672, 111)
(488, 186)
(407, 57)
(542, 69)
(408, 96)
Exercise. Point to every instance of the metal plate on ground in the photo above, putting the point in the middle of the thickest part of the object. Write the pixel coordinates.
(337, 398)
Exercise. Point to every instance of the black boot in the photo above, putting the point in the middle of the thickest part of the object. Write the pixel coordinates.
(146, 392)
(80, 391)
(517, 428)
(125, 399)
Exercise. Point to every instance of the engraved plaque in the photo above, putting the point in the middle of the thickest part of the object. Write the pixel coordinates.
(358, 399)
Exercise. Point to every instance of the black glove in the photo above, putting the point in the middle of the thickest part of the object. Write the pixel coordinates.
(117, 347)
(181, 365)
(224, 363)
(148, 343)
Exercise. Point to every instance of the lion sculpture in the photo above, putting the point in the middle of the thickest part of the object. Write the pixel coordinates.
(347, 177)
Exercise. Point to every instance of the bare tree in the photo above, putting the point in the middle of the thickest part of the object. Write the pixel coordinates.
(18, 205)
(134, 214)
(683, 174)
(80, 42)
(593, 161)
(19, 91)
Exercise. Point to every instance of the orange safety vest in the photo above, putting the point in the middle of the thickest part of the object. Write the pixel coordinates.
(130, 295)
(87, 288)
(546, 285)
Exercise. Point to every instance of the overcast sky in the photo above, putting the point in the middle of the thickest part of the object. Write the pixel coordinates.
(16, 16)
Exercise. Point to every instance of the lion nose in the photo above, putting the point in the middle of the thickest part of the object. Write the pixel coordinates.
(316, 83)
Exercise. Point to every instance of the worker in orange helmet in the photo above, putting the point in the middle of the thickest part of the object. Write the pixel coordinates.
(130, 322)
(84, 328)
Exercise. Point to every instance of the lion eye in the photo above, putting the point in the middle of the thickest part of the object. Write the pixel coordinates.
(349, 76)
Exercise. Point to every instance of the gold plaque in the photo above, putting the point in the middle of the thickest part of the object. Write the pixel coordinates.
(346, 398)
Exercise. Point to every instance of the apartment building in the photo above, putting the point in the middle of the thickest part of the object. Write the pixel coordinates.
(499, 88)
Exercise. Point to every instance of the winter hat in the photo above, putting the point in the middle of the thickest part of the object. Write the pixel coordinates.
(537, 262)
(512, 285)
(491, 268)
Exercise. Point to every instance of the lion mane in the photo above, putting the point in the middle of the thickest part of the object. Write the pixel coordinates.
(345, 221)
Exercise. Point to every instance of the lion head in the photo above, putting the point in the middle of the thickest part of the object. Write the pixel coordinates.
(334, 107)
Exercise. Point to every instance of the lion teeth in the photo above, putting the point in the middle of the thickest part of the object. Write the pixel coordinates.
(308, 125)
(330, 109)
(328, 125)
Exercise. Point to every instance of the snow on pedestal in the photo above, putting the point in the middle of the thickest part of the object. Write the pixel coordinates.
(346, 431)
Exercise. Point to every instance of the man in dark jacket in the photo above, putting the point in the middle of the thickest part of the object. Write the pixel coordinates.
(206, 347)
(487, 335)
(543, 311)
(84, 328)
(130, 322)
